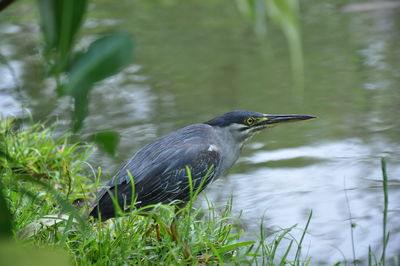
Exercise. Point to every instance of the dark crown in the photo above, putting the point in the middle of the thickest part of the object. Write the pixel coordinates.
(233, 117)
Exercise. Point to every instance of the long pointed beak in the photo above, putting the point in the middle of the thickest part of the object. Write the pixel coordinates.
(275, 119)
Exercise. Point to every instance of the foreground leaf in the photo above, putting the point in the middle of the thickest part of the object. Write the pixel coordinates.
(61, 20)
(107, 140)
(105, 57)
(12, 253)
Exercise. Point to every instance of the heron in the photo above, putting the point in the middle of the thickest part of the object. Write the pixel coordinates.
(159, 172)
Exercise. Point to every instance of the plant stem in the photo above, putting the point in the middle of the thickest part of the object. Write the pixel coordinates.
(385, 209)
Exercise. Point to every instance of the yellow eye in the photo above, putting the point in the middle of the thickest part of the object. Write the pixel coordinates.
(249, 121)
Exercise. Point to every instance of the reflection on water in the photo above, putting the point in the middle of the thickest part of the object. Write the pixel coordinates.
(188, 72)
(285, 195)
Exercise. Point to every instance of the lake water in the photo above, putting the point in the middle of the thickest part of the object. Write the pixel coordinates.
(195, 60)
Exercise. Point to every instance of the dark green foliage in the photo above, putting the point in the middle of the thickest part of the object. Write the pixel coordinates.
(107, 140)
(61, 21)
(6, 217)
(104, 57)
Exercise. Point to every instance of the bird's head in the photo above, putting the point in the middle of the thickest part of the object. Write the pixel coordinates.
(245, 124)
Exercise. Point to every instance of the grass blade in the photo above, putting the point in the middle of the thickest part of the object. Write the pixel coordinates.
(234, 246)
(385, 209)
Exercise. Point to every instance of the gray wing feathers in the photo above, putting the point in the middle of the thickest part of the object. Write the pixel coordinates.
(159, 168)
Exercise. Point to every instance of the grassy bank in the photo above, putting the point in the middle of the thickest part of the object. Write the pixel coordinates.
(45, 188)
(46, 184)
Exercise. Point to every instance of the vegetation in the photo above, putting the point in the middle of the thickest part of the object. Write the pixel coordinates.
(76, 71)
(109, 53)
(46, 187)
(286, 15)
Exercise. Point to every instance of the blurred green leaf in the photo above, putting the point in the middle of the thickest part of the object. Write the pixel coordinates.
(61, 20)
(6, 156)
(256, 11)
(285, 13)
(246, 7)
(6, 216)
(107, 140)
(12, 253)
(105, 57)
(81, 109)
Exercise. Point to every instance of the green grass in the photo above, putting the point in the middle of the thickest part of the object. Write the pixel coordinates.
(46, 184)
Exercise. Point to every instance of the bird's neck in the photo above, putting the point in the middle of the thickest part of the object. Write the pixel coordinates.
(231, 145)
